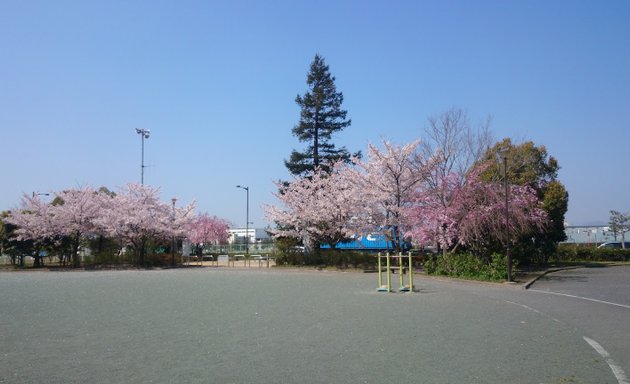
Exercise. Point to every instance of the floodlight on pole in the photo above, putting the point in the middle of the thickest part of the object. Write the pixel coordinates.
(246, 219)
(173, 243)
(144, 134)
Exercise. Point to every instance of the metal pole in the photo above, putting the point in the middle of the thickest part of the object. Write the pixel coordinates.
(173, 237)
(507, 222)
(380, 272)
(401, 270)
(247, 225)
(144, 134)
(142, 162)
(389, 275)
(410, 273)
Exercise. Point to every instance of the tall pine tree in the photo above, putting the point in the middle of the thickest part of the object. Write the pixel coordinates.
(321, 116)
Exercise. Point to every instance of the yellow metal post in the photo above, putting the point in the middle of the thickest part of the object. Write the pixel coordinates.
(389, 274)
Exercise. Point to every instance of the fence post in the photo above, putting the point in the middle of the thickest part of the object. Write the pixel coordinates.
(389, 274)
(410, 273)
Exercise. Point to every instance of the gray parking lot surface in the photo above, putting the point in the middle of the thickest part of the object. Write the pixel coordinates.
(269, 326)
(609, 284)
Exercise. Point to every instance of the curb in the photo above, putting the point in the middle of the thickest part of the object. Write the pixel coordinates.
(532, 281)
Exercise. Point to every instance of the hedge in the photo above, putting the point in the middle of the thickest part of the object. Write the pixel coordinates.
(575, 252)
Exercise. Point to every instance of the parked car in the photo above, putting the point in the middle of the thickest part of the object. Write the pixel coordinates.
(614, 244)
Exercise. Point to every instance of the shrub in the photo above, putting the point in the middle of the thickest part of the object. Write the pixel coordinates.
(290, 257)
(344, 259)
(102, 258)
(467, 265)
(325, 257)
(575, 252)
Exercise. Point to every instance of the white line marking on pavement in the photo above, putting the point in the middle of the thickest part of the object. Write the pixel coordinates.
(580, 297)
(617, 371)
(523, 305)
(534, 310)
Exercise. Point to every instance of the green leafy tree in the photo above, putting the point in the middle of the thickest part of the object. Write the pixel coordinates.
(11, 246)
(619, 224)
(4, 237)
(5, 232)
(321, 116)
(532, 165)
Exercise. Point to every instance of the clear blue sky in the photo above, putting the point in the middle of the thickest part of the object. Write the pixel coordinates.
(215, 82)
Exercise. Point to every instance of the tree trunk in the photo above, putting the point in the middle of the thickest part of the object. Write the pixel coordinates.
(76, 262)
(316, 143)
(396, 239)
(36, 259)
(141, 252)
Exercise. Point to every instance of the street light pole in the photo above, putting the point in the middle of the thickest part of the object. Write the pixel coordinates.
(507, 221)
(246, 220)
(144, 134)
(173, 237)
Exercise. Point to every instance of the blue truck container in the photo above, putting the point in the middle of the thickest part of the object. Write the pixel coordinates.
(371, 242)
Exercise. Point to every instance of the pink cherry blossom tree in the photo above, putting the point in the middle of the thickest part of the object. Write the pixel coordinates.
(133, 217)
(206, 229)
(386, 182)
(318, 208)
(431, 217)
(472, 213)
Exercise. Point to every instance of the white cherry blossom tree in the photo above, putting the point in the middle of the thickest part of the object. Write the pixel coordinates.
(386, 181)
(74, 213)
(133, 217)
(318, 208)
(136, 216)
(34, 222)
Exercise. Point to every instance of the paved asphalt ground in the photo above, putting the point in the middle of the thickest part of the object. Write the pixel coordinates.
(219, 325)
(596, 300)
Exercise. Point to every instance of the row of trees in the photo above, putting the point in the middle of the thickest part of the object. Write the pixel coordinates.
(445, 191)
(402, 193)
(134, 219)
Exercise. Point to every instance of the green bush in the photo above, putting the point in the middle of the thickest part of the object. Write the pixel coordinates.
(289, 257)
(344, 259)
(325, 257)
(103, 258)
(467, 265)
(575, 252)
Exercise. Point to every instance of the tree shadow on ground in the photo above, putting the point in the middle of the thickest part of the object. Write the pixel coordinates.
(557, 278)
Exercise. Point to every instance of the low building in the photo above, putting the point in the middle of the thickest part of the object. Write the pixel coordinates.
(256, 235)
(594, 234)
